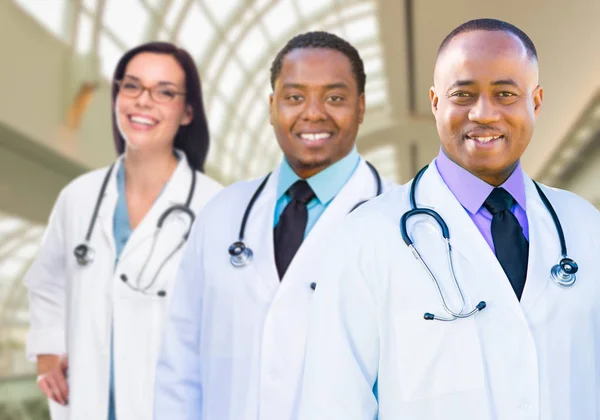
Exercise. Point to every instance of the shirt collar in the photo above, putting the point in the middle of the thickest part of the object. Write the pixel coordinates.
(326, 183)
(471, 191)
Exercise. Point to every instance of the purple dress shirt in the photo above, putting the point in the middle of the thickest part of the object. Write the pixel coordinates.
(471, 193)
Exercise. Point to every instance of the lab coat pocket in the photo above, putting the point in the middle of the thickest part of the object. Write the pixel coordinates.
(436, 357)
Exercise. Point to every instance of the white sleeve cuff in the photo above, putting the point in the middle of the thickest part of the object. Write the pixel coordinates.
(45, 341)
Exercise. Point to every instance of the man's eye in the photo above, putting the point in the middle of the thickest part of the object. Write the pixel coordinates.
(461, 94)
(506, 94)
(294, 97)
(335, 98)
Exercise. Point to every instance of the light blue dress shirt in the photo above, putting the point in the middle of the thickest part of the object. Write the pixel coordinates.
(326, 185)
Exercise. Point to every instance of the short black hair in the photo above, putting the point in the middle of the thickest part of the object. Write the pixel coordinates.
(491, 25)
(192, 139)
(320, 39)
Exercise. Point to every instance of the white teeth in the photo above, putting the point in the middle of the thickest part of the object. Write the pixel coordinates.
(485, 139)
(317, 136)
(142, 120)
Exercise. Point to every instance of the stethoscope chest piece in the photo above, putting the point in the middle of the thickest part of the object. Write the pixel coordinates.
(241, 255)
(564, 273)
(84, 254)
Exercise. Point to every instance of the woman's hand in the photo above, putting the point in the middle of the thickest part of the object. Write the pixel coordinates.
(52, 377)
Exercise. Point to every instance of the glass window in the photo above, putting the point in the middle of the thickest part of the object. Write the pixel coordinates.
(362, 29)
(217, 113)
(358, 9)
(221, 9)
(84, 34)
(240, 25)
(231, 79)
(253, 42)
(214, 65)
(127, 20)
(280, 19)
(174, 11)
(90, 5)
(309, 8)
(384, 158)
(196, 32)
(110, 54)
(49, 13)
(373, 66)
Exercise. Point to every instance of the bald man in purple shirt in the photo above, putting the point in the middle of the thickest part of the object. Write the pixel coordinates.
(506, 328)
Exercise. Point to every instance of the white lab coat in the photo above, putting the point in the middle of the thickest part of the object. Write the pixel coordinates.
(72, 307)
(370, 353)
(235, 338)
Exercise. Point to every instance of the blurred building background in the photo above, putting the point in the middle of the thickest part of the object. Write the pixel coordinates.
(58, 57)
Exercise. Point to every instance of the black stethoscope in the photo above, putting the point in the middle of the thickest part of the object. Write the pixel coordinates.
(84, 253)
(562, 273)
(242, 255)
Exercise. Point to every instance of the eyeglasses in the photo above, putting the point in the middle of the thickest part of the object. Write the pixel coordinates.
(158, 93)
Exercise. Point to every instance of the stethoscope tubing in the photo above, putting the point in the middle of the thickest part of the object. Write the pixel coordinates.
(242, 255)
(562, 273)
(84, 252)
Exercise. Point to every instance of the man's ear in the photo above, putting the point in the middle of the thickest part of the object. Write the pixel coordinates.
(538, 98)
(362, 107)
(433, 98)
(271, 109)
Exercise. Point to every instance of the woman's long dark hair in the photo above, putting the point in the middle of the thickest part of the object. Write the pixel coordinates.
(193, 138)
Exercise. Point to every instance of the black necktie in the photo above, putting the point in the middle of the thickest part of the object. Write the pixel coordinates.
(512, 248)
(289, 231)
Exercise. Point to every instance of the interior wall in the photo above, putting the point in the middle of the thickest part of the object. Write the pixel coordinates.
(40, 77)
(31, 176)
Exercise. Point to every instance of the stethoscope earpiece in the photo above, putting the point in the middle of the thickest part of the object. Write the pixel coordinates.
(564, 272)
(241, 255)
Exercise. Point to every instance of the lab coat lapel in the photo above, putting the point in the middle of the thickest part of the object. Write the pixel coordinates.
(259, 232)
(361, 186)
(107, 209)
(544, 247)
(481, 275)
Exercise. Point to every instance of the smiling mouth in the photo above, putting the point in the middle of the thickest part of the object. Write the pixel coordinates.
(149, 122)
(484, 139)
(315, 136)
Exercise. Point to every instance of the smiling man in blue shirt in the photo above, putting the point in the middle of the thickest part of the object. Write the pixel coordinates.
(235, 338)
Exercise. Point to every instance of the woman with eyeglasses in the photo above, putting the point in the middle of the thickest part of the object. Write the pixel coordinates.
(100, 286)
